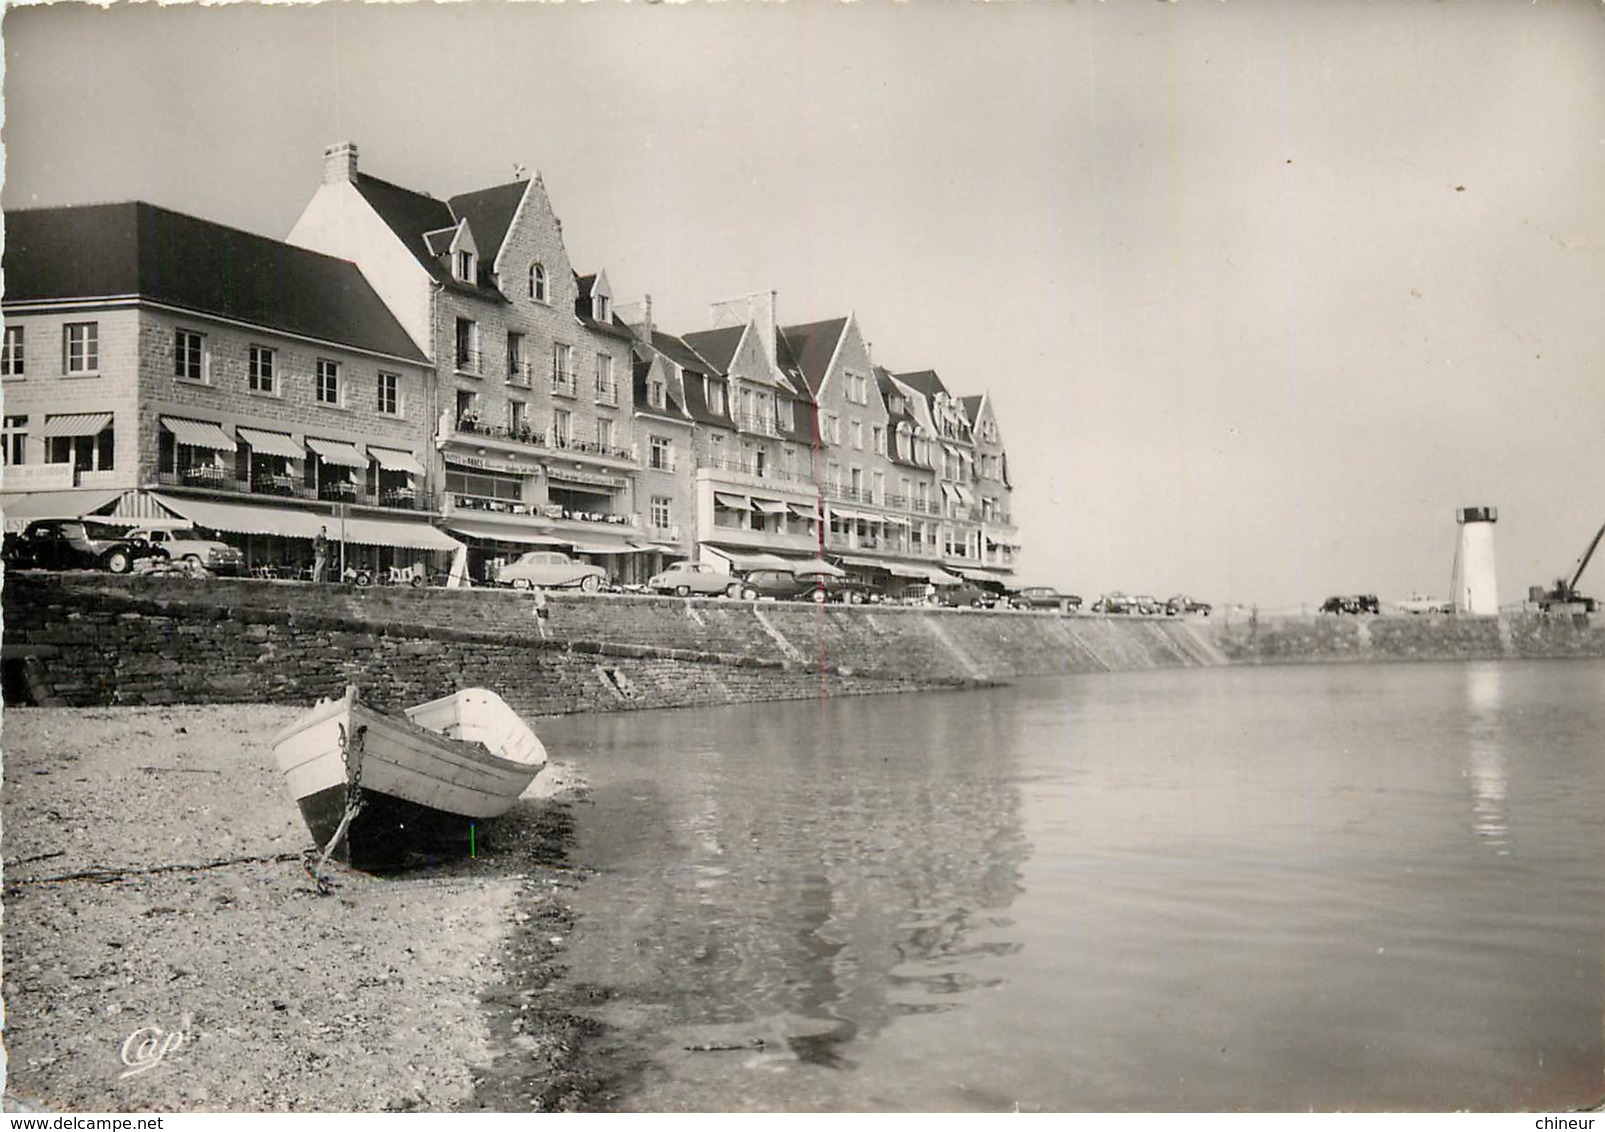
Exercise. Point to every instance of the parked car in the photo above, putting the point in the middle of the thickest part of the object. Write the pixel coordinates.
(184, 546)
(1181, 605)
(1112, 602)
(780, 585)
(1352, 603)
(1418, 604)
(1044, 597)
(75, 544)
(1147, 603)
(686, 578)
(550, 569)
(849, 591)
(964, 596)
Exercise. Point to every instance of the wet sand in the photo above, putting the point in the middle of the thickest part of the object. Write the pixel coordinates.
(154, 887)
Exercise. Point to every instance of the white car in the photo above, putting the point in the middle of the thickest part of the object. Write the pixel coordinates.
(551, 569)
(1415, 603)
(185, 546)
(686, 578)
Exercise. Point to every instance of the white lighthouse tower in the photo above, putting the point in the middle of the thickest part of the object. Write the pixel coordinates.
(1476, 591)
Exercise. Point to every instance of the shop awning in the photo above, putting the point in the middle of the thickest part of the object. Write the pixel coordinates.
(979, 575)
(769, 506)
(753, 560)
(843, 513)
(395, 460)
(868, 563)
(733, 502)
(197, 434)
(413, 535)
(804, 510)
(815, 566)
(903, 570)
(21, 510)
(942, 577)
(338, 452)
(78, 424)
(245, 518)
(271, 443)
(604, 544)
(897, 520)
(496, 532)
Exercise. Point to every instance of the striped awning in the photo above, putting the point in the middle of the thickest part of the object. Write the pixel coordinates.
(733, 502)
(197, 434)
(338, 452)
(903, 570)
(271, 443)
(769, 506)
(409, 535)
(395, 460)
(245, 518)
(942, 577)
(21, 509)
(78, 424)
(496, 532)
(843, 513)
(804, 510)
(753, 560)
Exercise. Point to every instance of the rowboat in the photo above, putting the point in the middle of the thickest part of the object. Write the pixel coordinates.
(405, 783)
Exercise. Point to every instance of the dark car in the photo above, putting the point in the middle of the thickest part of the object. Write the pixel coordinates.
(781, 585)
(1181, 605)
(965, 596)
(1113, 602)
(74, 544)
(1044, 597)
(1352, 603)
(849, 591)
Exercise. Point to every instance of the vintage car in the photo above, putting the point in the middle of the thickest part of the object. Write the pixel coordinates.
(1181, 605)
(75, 544)
(1419, 604)
(967, 595)
(779, 585)
(550, 569)
(848, 591)
(1113, 602)
(1044, 597)
(683, 579)
(184, 546)
(1352, 603)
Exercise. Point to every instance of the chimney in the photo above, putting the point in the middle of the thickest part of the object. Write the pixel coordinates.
(340, 163)
(757, 308)
(638, 317)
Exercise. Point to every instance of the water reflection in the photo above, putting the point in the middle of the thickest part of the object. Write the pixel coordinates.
(1485, 755)
(796, 884)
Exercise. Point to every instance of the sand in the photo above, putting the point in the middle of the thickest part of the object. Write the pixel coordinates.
(165, 950)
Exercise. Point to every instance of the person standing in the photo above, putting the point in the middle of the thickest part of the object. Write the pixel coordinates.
(320, 553)
(542, 611)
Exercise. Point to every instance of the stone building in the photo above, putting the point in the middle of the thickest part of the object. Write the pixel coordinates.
(163, 369)
(535, 431)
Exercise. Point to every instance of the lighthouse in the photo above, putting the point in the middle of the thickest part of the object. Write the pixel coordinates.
(1476, 591)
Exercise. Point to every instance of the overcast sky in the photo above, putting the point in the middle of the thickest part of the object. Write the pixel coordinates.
(1262, 291)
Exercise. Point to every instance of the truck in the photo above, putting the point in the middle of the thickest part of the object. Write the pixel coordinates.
(1563, 598)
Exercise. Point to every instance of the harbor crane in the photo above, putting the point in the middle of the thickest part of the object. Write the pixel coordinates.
(1564, 598)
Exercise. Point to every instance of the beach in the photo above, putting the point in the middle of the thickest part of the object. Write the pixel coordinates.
(166, 950)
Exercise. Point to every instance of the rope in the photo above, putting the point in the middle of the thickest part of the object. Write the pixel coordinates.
(351, 753)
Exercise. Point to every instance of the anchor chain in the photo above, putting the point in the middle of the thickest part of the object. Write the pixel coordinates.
(351, 756)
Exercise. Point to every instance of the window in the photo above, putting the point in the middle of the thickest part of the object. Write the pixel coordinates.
(517, 368)
(467, 407)
(878, 435)
(189, 356)
(484, 485)
(833, 474)
(517, 416)
(833, 428)
(14, 448)
(856, 431)
(467, 345)
(11, 353)
(655, 392)
(856, 482)
(662, 512)
(537, 283)
(563, 367)
(259, 375)
(599, 307)
(390, 394)
(716, 397)
(857, 389)
(877, 490)
(82, 347)
(604, 434)
(328, 382)
(605, 389)
(465, 266)
(562, 428)
(84, 453)
(662, 454)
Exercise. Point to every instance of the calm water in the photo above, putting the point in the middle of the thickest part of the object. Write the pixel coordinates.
(1361, 887)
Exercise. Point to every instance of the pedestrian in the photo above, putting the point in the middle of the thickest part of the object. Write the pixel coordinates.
(320, 553)
(542, 611)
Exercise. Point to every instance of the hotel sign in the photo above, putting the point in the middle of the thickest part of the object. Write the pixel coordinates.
(485, 464)
(591, 479)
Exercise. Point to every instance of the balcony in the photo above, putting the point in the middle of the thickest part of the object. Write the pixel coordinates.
(520, 373)
(751, 470)
(281, 486)
(607, 393)
(534, 438)
(754, 423)
(564, 384)
(592, 448)
(468, 362)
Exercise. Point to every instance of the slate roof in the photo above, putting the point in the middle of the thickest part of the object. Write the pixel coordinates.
(808, 349)
(696, 405)
(412, 215)
(717, 346)
(972, 406)
(490, 213)
(673, 405)
(925, 381)
(140, 249)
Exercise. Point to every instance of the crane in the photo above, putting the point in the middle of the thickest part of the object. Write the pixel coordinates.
(1564, 598)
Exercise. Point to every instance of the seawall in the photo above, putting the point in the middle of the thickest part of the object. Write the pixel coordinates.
(83, 639)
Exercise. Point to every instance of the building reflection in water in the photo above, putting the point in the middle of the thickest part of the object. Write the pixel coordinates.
(809, 870)
(1486, 740)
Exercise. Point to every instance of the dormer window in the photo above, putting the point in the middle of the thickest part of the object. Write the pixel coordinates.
(599, 308)
(537, 283)
(465, 266)
(715, 397)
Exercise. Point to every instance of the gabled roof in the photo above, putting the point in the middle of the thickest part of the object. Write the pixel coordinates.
(717, 346)
(139, 249)
(809, 348)
(490, 213)
(925, 381)
(412, 215)
(696, 404)
(888, 389)
(673, 405)
(972, 406)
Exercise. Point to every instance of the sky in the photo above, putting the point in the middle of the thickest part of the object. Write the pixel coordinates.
(1261, 291)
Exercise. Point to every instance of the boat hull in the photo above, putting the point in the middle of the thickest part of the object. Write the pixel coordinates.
(426, 779)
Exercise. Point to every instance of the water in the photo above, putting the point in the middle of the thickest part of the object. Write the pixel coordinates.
(1359, 887)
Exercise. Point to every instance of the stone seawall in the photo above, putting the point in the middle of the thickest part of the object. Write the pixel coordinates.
(93, 639)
